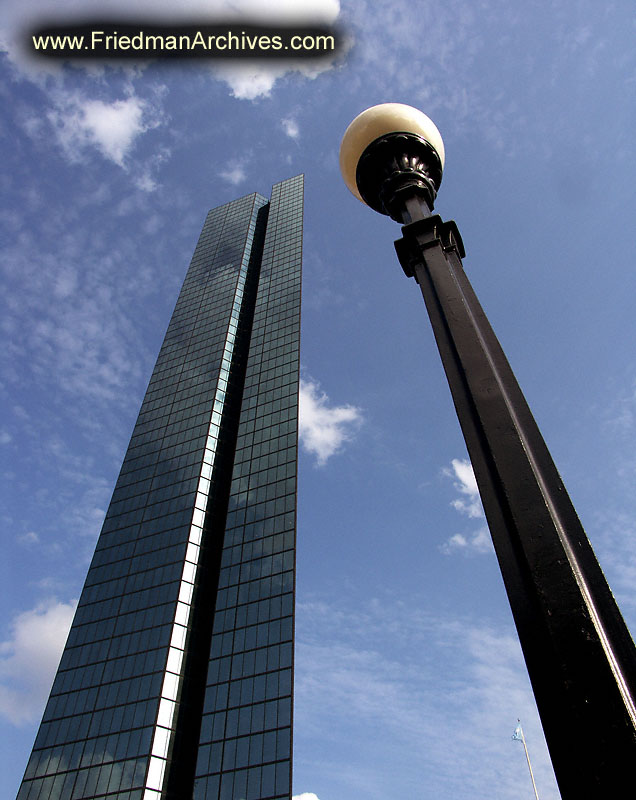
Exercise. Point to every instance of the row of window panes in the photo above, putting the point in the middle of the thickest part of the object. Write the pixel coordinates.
(253, 613)
(282, 314)
(255, 529)
(186, 387)
(162, 487)
(261, 334)
(277, 299)
(142, 467)
(259, 417)
(146, 543)
(103, 628)
(254, 542)
(173, 380)
(89, 753)
(285, 321)
(284, 348)
(186, 406)
(269, 362)
(177, 354)
(281, 383)
(260, 589)
(126, 644)
(274, 344)
(93, 782)
(137, 530)
(173, 358)
(252, 637)
(248, 664)
(116, 668)
(262, 494)
(189, 392)
(244, 466)
(97, 698)
(257, 383)
(253, 478)
(140, 563)
(284, 296)
(246, 751)
(151, 405)
(264, 334)
(273, 438)
(248, 458)
(290, 390)
(254, 549)
(99, 723)
(271, 508)
(283, 250)
(270, 782)
(172, 376)
(143, 602)
(256, 569)
(214, 284)
(134, 584)
(214, 311)
(281, 262)
(250, 691)
(156, 501)
(173, 516)
(256, 405)
(273, 713)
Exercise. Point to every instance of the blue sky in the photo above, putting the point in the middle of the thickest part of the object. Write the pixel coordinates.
(409, 678)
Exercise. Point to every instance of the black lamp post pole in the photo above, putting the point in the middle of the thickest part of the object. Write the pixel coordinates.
(580, 656)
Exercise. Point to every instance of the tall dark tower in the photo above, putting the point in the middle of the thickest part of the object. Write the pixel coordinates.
(176, 679)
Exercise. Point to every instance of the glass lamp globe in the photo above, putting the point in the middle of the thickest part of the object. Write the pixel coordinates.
(379, 121)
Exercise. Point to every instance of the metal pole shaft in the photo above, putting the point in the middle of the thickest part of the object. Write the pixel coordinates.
(580, 656)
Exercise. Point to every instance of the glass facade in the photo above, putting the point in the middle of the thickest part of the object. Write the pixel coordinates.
(176, 679)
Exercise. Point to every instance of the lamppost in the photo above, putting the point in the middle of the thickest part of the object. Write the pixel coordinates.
(580, 656)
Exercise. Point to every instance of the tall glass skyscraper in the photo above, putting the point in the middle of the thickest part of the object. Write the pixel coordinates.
(176, 679)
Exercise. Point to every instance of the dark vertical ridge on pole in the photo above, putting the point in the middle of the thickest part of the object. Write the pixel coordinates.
(578, 650)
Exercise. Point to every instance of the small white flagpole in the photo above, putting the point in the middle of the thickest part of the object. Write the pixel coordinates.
(525, 747)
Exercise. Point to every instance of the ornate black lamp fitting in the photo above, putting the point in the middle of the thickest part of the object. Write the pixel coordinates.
(395, 168)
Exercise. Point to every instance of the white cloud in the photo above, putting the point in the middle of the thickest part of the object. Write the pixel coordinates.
(5, 437)
(253, 80)
(28, 659)
(477, 542)
(29, 538)
(466, 484)
(111, 127)
(290, 126)
(146, 182)
(235, 173)
(305, 796)
(323, 429)
(248, 81)
(469, 505)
